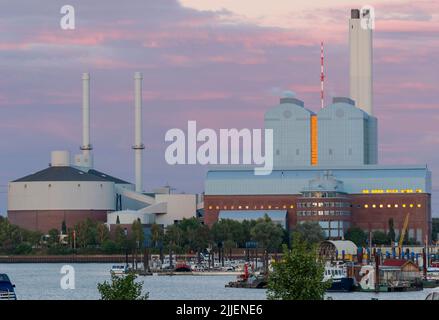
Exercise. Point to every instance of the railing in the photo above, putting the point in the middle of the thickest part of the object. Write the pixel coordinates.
(7, 295)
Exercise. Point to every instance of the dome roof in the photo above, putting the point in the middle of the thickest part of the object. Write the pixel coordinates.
(325, 182)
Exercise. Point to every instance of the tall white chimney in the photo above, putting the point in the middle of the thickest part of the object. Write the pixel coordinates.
(138, 145)
(360, 71)
(86, 160)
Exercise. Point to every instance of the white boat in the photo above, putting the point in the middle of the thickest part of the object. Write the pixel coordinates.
(119, 269)
(340, 280)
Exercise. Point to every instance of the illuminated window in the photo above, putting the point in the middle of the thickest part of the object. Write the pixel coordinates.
(246, 207)
(262, 207)
(396, 206)
(366, 206)
(374, 206)
(404, 205)
(269, 207)
(411, 205)
(217, 208)
(239, 207)
(225, 207)
(284, 206)
(381, 206)
(232, 207)
(389, 206)
(291, 207)
(418, 205)
(210, 207)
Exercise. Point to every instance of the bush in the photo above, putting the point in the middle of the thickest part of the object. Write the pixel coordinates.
(23, 248)
(122, 288)
(110, 247)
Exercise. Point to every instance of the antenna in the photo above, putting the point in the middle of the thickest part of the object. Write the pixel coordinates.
(322, 74)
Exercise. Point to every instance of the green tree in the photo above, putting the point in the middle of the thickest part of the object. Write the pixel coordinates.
(122, 288)
(227, 231)
(356, 235)
(102, 233)
(379, 238)
(137, 233)
(391, 234)
(310, 232)
(63, 227)
(267, 233)
(434, 229)
(119, 236)
(53, 239)
(157, 234)
(298, 275)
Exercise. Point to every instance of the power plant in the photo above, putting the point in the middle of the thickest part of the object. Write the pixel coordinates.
(70, 193)
(325, 170)
(326, 164)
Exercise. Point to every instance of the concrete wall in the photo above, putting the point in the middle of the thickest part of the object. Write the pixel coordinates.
(291, 124)
(61, 195)
(179, 206)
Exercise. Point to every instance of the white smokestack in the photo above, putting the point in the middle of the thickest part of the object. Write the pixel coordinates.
(86, 146)
(138, 145)
(360, 71)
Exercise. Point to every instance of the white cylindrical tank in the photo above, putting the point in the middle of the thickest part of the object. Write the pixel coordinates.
(60, 159)
(61, 195)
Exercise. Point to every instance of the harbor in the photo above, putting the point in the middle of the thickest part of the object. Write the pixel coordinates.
(41, 282)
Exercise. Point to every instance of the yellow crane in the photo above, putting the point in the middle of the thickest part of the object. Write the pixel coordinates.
(403, 232)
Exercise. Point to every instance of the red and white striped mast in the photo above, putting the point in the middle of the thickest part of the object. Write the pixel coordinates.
(322, 74)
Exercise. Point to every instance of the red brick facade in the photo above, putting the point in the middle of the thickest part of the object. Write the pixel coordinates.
(48, 219)
(367, 211)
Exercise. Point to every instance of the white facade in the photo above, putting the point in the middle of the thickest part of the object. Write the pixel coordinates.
(61, 195)
(291, 125)
(129, 216)
(178, 206)
(360, 71)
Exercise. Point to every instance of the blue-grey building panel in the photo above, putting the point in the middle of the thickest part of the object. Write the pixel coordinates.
(294, 180)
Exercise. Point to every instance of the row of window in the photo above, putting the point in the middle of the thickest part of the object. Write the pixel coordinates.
(314, 205)
(411, 205)
(392, 191)
(309, 213)
(322, 204)
(322, 194)
(240, 207)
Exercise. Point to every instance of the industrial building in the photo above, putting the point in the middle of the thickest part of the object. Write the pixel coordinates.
(326, 165)
(72, 192)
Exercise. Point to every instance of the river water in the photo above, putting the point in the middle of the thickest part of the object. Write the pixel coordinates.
(42, 282)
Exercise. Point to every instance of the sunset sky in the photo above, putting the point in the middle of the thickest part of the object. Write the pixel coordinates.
(221, 63)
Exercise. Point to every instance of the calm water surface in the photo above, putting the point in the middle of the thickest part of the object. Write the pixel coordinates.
(42, 281)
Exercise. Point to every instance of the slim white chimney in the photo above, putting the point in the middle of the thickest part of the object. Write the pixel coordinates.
(138, 145)
(360, 70)
(86, 146)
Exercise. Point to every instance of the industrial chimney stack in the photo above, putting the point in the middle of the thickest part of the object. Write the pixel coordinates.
(85, 160)
(360, 71)
(138, 145)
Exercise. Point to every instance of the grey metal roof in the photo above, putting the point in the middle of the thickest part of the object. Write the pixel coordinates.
(60, 174)
(107, 176)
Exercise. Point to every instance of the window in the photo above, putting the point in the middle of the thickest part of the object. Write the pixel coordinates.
(210, 207)
(246, 207)
(291, 207)
(374, 206)
(411, 205)
(404, 205)
(366, 206)
(239, 207)
(389, 206)
(381, 206)
(418, 205)
(217, 207)
(396, 206)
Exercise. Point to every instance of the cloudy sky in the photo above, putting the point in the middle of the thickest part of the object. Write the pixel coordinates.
(221, 63)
